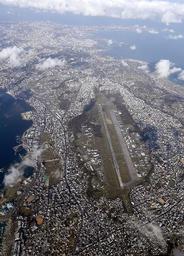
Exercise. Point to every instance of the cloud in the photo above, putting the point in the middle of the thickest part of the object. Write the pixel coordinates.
(144, 67)
(153, 31)
(181, 75)
(172, 17)
(124, 63)
(170, 30)
(49, 63)
(15, 172)
(154, 233)
(176, 37)
(133, 47)
(165, 68)
(164, 10)
(12, 55)
(109, 42)
(14, 175)
(175, 70)
(139, 30)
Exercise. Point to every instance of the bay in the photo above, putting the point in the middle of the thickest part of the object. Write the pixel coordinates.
(12, 127)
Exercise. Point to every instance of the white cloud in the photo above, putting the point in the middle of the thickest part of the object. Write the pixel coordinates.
(133, 47)
(172, 16)
(121, 44)
(181, 76)
(153, 31)
(14, 175)
(170, 30)
(12, 55)
(16, 171)
(176, 37)
(165, 10)
(154, 232)
(139, 30)
(165, 68)
(109, 42)
(49, 63)
(144, 67)
(175, 70)
(124, 63)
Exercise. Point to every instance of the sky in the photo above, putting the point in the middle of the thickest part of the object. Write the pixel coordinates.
(167, 11)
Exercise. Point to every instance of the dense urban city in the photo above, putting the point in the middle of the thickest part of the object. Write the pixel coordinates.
(106, 144)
